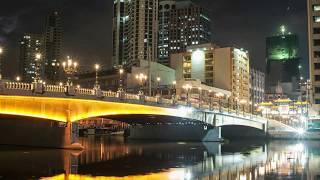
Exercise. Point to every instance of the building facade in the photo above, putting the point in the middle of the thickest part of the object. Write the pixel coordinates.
(53, 42)
(189, 24)
(165, 8)
(30, 45)
(136, 31)
(282, 59)
(223, 68)
(257, 86)
(314, 52)
(119, 28)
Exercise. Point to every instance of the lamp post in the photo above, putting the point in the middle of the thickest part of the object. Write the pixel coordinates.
(174, 83)
(243, 103)
(38, 67)
(70, 67)
(158, 86)
(142, 78)
(187, 88)
(96, 84)
(236, 100)
(200, 96)
(1, 51)
(210, 100)
(121, 71)
(220, 95)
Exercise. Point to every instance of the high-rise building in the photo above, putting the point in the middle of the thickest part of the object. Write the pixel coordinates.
(119, 28)
(224, 68)
(165, 8)
(30, 45)
(282, 59)
(257, 86)
(189, 24)
(53, 40)
(140, 34)
(314, 51)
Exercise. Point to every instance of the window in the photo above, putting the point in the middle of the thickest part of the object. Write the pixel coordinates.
(316, 42)
(317, 90)
(316, 7)
(316, 54)
(316, 65)
(317, 77)
(316, 30)
(316, 19)
(317, 101)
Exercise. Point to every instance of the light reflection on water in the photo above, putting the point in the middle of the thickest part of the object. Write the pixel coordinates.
(114, 158)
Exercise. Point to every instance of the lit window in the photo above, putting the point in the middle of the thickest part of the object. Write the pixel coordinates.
(316, 7)
(316, 19)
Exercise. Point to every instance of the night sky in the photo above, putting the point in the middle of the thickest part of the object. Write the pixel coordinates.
(88, 31)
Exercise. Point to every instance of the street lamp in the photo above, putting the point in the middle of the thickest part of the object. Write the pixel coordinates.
(158, 86)
(243, 103)
(38, 66)
(220, 95)
(96, 84)
(18, 79)
(70, 67)
(142, 78)
(200, 96)
(1, 51)
(121, 71)
(187, 87)
(210, 99)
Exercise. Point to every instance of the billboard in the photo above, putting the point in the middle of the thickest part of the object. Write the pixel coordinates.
(282, 47)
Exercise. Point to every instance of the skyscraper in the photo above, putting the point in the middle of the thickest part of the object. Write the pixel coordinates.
(282, 59)
(53, 40)
(120, 39)
(314, 51)
(136, 31)
(189, 25)
(165, 8)
(30, 45)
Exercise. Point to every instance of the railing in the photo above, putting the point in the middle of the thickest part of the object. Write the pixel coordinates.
(151, 99)
(109, 94)
(131, 96)
(18, 86)
(84, 91)
(54, 88)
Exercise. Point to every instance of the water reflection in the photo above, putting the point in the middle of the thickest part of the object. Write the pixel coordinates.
(114, 158)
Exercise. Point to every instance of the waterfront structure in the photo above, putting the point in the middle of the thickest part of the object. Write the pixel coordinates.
(282, 59)
(30, 46)
(53, 40)
(135, 33)
(223, 68)
(314, 53)
(257, 86)
(165, 8)
(189, 24)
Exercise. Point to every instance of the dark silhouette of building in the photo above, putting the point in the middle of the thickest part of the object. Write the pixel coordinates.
(53, 40)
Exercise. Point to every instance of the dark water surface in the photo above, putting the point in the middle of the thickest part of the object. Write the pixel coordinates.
(114, 158)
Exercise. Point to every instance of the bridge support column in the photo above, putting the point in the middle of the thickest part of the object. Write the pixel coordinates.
(71, 134)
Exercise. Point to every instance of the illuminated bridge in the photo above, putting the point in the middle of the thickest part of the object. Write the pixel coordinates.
(47, 115)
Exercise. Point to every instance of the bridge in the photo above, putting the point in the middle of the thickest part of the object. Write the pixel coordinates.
(47, 111)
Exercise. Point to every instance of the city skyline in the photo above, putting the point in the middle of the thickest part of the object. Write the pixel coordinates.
(88, 32)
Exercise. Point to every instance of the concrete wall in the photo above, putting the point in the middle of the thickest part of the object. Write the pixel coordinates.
(241, 132)
(175, 133)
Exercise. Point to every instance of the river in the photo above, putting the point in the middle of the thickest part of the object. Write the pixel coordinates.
(115, 158)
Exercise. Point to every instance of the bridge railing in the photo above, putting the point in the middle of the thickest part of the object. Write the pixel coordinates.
(84, 91)
(55, 88)
(18, 86)
(109, 94)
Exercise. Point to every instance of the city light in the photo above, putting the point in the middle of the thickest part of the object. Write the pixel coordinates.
(18, 78)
